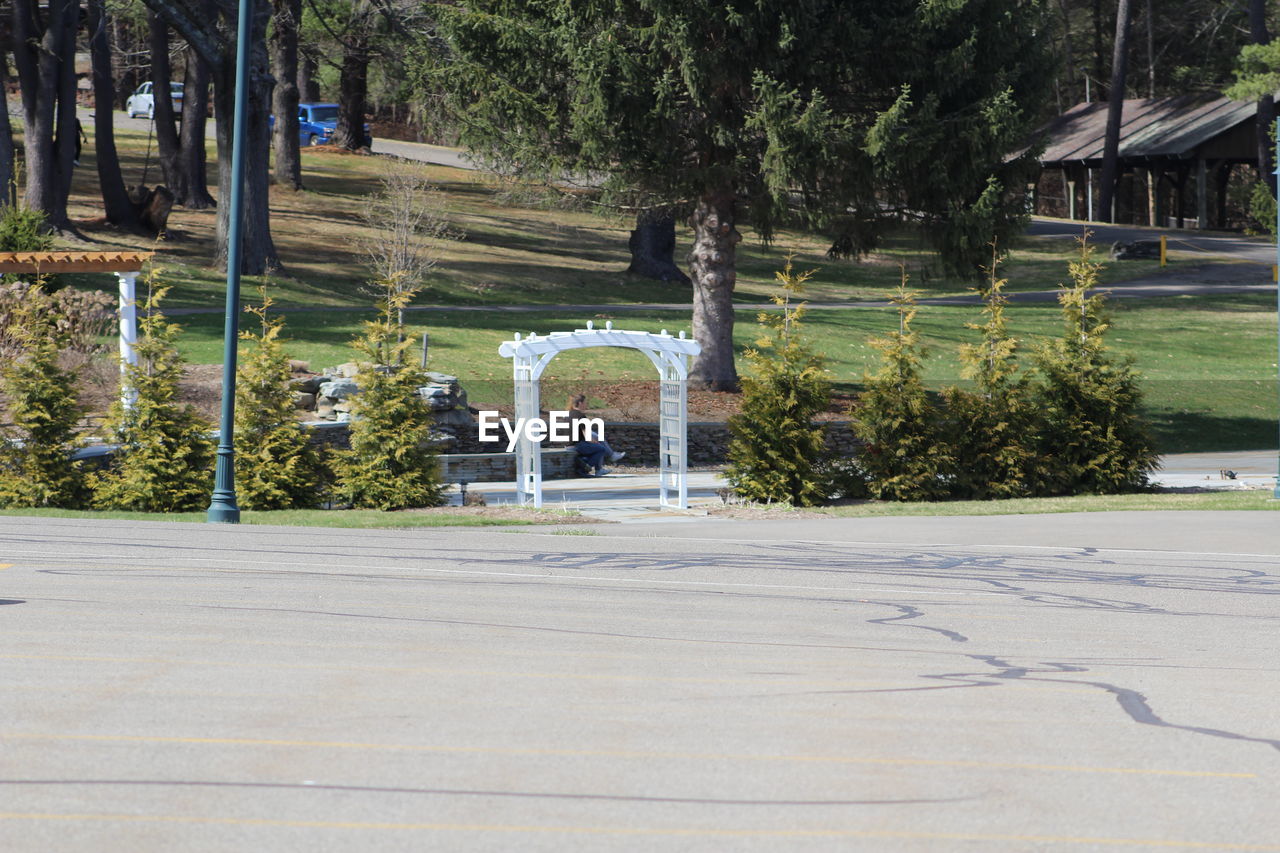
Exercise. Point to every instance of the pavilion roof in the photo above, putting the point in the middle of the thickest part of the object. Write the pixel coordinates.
(1151, 128)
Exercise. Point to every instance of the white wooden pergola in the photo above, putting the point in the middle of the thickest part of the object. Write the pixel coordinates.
(670, 354)
(125, 265)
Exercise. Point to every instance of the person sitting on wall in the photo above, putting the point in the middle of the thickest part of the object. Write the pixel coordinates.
(591, 454)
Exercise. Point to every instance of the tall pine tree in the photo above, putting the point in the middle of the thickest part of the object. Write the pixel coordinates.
(836, 114)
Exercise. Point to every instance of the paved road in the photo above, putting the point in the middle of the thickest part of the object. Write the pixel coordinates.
(1206, 244)
(1052, 683)
(437, 154)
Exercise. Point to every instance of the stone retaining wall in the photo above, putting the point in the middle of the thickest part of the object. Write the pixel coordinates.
(557, 464)
(487, 464)
(708, 441)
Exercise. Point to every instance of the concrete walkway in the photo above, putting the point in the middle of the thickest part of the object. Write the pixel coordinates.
(631, 498)
(624, 497)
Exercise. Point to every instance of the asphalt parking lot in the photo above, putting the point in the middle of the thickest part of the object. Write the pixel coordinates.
(1017, 683)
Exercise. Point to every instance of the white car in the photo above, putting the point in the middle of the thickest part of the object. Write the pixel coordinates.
(143, 103)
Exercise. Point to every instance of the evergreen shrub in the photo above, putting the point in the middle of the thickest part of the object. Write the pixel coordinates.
(36, 468)
(993, 425)
(905, 455)
(166, 455)
(392, 463)
(776, 453)
(277, 467)
(1094, 439)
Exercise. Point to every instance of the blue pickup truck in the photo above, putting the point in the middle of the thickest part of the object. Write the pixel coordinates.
(317, 122)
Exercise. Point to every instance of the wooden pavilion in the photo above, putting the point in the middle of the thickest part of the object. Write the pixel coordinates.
(1183, 149)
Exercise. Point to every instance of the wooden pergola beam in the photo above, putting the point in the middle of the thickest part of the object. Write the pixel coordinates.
(125, 265)
(55, 262)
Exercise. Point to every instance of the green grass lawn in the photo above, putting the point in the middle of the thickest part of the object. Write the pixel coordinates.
(1209, 363)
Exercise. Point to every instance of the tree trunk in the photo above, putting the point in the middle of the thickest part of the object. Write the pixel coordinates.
(285, 17)
(46, 74)
(1151, 50)
(713, 264)
(308, 87)
(192, 162)
(258, 251)
(115, 198)
(7, 176)
(181, 147)
(1115, 109)
(67, 128)
(1072, 73)
(166, 127)
(353, 89)
(653, 247)
(1266, 115)
(1098, 49)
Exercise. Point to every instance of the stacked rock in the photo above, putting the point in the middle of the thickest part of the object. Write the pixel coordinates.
(329, 395)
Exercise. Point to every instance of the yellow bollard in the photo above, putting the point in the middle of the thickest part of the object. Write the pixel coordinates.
(1164, 250)
(1275, 272)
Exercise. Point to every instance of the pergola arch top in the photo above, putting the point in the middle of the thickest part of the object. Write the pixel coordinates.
(670, 354)
(663, 349)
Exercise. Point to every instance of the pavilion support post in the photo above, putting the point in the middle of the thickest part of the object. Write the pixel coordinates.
(1223, 180)
(128, 333)
(1202, 194)
(1157, 197)
(1180, 197)
(1153, 198)
(1071, 196)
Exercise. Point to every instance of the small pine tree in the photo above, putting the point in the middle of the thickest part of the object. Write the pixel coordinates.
(277, 467)
(776, 453)
(36, 469)
(23, 230)
(165, 461)
(993, 426)
(1094, 439)
(905, 456)
(391, 463)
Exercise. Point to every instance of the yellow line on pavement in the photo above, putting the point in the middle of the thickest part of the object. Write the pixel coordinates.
(4, 566)
(674, 831)
(629, 754)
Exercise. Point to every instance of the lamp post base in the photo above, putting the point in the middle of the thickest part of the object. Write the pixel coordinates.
(223, 511)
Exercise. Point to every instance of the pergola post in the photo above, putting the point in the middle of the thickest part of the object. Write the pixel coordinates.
(673, 433)
(525, 374)
(128, 333)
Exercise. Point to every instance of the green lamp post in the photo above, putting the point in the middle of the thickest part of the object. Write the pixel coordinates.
(223, 507)
(1276, 492)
